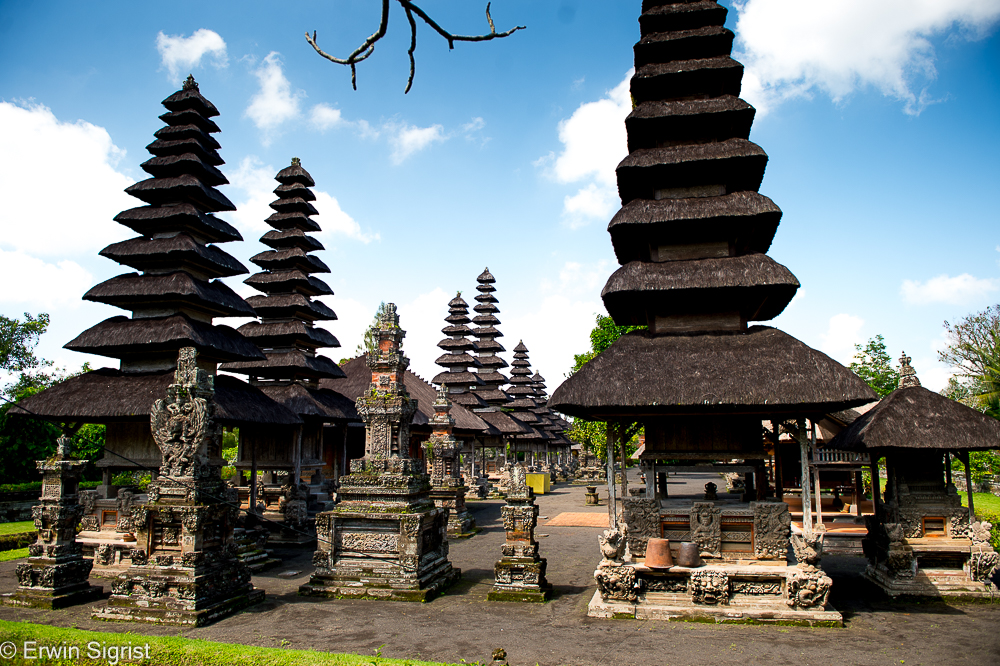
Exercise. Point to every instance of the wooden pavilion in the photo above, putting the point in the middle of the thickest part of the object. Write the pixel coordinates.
(691, 238)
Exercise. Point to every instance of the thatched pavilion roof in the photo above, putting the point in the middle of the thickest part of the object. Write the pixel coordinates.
(763, 371)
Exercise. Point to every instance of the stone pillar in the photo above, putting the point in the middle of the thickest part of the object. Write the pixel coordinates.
(520, 572)
(56, 574)
(184, 567)
(447, 489)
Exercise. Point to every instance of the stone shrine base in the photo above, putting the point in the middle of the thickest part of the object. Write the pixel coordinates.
(749, 592)
(946, 583)
(381, 581)
(54, 599)
(678, 607)
(175, 614)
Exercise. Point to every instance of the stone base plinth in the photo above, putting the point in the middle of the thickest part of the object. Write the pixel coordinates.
(679, 609)
(954, 583)
(522, 595)
(461, 524)
(171, 615)
(54, 599)
(383, 582)
(520, 579)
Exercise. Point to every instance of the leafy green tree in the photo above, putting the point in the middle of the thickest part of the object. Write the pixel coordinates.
(974, 352)
(18, 340)
(874, 365)
(370, 340)
(593, 435)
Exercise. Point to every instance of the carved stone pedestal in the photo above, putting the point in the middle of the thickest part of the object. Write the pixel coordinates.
(56, 575)
(447, 489)
(592, 497)
(184, 567)
(520, 572)
(384, 539)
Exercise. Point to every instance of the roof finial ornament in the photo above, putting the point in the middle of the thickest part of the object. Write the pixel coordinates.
(907, 375)
(296, 161)
(190, 83)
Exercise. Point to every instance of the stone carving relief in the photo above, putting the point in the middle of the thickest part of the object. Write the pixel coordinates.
(710, 587)
(613, 544)
(771, 529)
(706, 529)
(757, 587)
(808, 589)
(617, 582)
(808, 550)
(182, 424)
(368, 542)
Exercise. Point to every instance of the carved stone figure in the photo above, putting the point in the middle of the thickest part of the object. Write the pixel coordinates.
(617, 582)
(808, 589)
(808, 550)
(709, 587)
(190, 575)
(643, 519)
(706, 528)
(711, 491)
(771, 528)
(613, 544)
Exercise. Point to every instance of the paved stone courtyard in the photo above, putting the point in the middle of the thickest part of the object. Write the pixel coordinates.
(463, 625)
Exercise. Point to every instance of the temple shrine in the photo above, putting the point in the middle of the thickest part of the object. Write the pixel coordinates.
(172, 299)
(292, 370)
(385, 538)
(921, 541)
(691, 238)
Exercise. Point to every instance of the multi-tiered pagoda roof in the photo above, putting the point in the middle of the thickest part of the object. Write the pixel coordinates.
(487, 347)
(457, 359)
(522, 392)
(691, 238)
(175, 292)
(288, 313)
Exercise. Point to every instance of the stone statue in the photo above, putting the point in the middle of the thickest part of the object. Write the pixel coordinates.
(182, 424)
(706, 529)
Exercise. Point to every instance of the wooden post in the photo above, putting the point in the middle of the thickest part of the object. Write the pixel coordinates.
(612, 494)
(859, 492)
(800, 427)
(876, 488)
(779, 490)
(947, 468)
(253, 475)
(968, 486)
(298, 457)
(650, 469)
(621, 443)
(819, 495)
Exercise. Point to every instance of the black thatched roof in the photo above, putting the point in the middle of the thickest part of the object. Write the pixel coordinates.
(287, 334)
(285, 281)
(180, 251)
(108, 395)
(701, 77)
(297, 306)
(917, 418)
(291, 238)
(747, 219)
(358, 380)
(182, 189)
(504, 422)
(178, 289)
(291, 364)
(121, 337)
(763, 371)
(681, 16)
(736, 164)
(320, 404)
(290, 258)
(708, 42)
(150, 220)
(661, 122)
(754, 285)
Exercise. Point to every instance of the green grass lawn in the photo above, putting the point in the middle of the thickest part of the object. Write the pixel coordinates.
(16, 528)
(8, 555)
(983, 502)
(172, 651)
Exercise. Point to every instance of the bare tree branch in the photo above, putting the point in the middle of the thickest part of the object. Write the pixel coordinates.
(368, 47)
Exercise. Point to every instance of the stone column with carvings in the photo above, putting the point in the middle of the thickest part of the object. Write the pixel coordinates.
(56, 574)
(385, 539)
(520, 572)
(447, 489)
(184, 569)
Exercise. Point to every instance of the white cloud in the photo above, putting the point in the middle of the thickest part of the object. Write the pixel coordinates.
(474, 125)
(409, 139)
(843, 333)
(594, 142)
(41, 284)
(956, 290)
(275, 103)
(335, 221)
(64, 172)
(793, 48)
(256, 180)
(324, 117)
(184, 53)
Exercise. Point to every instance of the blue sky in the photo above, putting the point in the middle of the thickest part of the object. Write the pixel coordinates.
(881, 124)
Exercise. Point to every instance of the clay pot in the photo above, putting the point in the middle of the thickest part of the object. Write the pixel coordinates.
(658, 554)
(687, 555)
